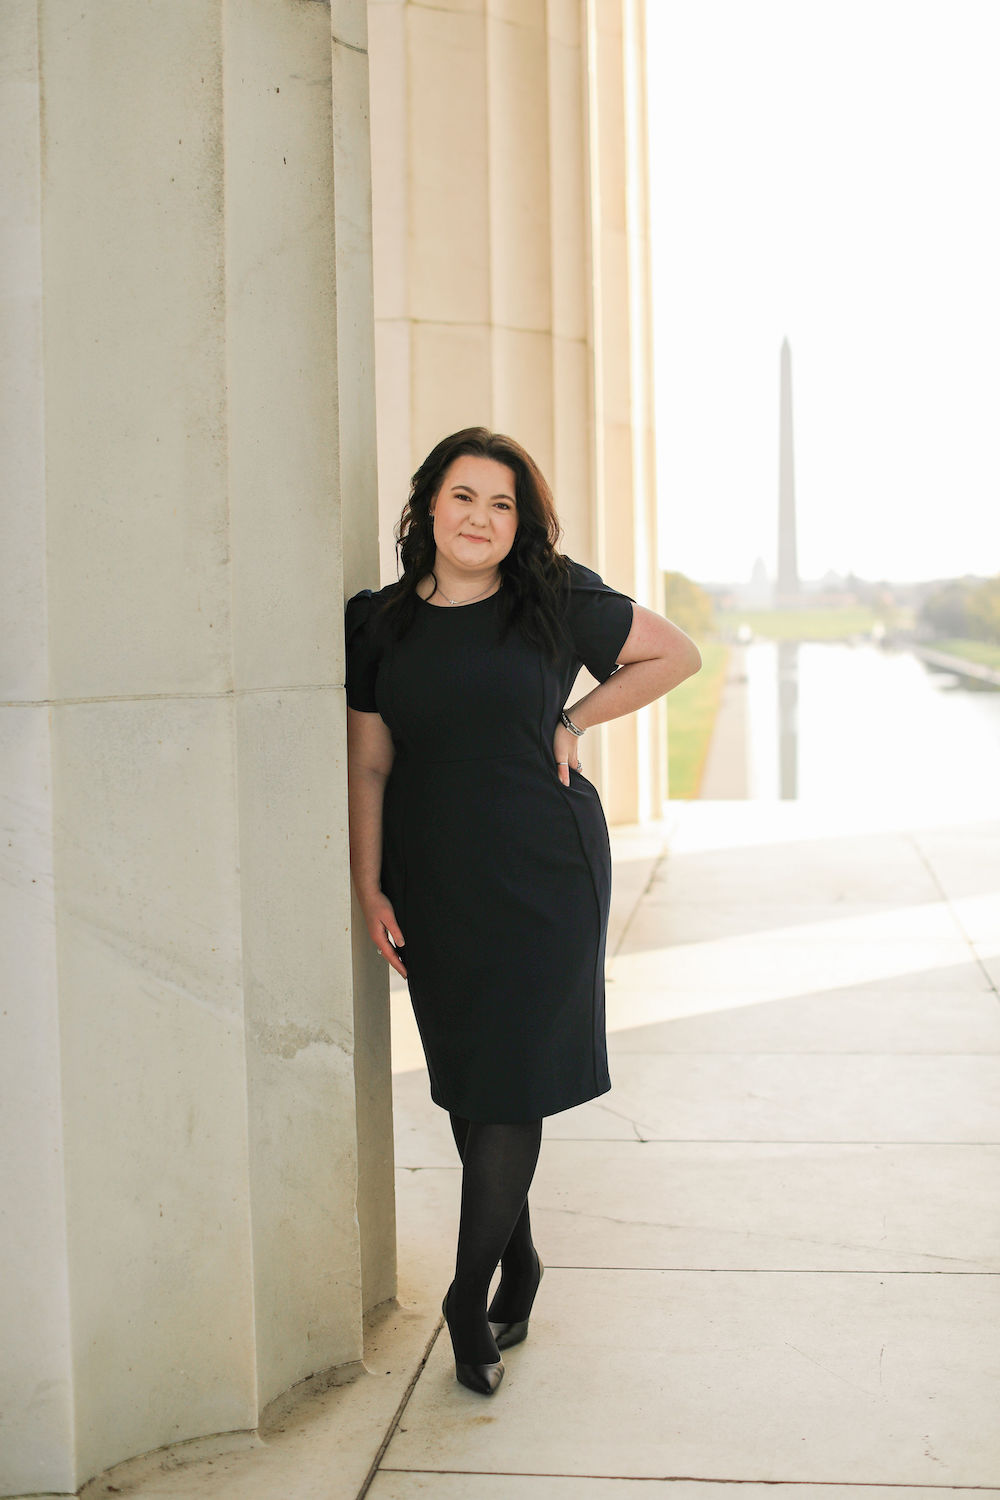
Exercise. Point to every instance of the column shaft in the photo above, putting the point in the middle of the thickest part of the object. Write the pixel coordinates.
(512, 278)
(194, 449)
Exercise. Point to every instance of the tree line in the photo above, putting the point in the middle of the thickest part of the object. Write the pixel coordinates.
(967, 608)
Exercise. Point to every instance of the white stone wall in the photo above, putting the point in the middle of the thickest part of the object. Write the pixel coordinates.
(512, 279)
(189, 490)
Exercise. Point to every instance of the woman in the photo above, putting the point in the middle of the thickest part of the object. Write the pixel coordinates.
(479, 852)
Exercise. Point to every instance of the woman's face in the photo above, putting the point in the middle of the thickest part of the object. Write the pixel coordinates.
(475, 513)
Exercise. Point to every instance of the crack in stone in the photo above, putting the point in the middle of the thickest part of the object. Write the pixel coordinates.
(642, 1139)
(852, 1383)
(756, 1235)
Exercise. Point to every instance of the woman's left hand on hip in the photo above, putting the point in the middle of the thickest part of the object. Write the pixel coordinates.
(566, 748)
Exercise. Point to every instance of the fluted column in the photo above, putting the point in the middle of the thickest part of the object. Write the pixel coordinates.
(511, 277)
(626, 520)
(192, 439)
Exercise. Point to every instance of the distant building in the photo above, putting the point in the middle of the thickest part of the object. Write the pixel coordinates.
(759, 592)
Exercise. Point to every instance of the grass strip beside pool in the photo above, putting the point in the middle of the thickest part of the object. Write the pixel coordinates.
(983, 652)
(805, 624)
(691, 714)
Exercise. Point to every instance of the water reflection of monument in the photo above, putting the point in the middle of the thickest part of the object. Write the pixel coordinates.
(788, 719)
(787, 592)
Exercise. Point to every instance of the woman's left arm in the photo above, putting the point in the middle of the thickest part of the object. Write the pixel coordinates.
(656, 656)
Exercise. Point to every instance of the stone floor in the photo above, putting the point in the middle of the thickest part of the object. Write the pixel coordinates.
(772, 1251)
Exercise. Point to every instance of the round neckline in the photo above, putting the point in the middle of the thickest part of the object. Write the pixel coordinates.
(451, 609)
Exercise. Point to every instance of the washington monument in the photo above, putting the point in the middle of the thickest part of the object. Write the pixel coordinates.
(787, 591)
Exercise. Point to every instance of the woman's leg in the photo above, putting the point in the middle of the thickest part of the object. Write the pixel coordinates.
(498, 1163)
(519, 1261)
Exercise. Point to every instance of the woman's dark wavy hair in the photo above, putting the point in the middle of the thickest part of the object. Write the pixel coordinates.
(535, 575)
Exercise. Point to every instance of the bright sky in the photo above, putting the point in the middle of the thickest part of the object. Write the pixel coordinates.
(829, 173)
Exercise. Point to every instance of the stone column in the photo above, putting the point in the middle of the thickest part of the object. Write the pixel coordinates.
(511, 278)
(625, 467)
(189, 297)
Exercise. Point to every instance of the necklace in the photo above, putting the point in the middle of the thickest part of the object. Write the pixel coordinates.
(474, 597)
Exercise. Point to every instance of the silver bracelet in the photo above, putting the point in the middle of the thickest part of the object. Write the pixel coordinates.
(569, 724)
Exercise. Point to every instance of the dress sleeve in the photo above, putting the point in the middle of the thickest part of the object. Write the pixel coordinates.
(362, 653)
(599, 619)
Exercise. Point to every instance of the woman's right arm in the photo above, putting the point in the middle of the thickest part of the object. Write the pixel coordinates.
(369, 760)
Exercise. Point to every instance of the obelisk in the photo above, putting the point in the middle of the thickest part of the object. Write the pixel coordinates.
(787, 591)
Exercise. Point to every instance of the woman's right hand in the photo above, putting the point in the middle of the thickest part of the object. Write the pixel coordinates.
(380, 919)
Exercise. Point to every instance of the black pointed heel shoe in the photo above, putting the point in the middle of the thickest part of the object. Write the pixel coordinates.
(509, 1334)
(483, 1379)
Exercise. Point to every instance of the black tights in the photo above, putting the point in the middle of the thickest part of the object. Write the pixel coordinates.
(498, 1163)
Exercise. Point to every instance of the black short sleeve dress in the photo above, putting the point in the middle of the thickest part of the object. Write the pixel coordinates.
(500, 876)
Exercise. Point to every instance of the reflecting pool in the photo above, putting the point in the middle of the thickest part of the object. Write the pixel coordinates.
(839, 720)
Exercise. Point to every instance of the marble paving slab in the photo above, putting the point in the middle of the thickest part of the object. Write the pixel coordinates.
(769, 1207)
(399, 1485)
(988, 957)
(867, 1018)
(832, 1379)
(732, 1206)
(784, 962)
(683, 918)
(803, 1097)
